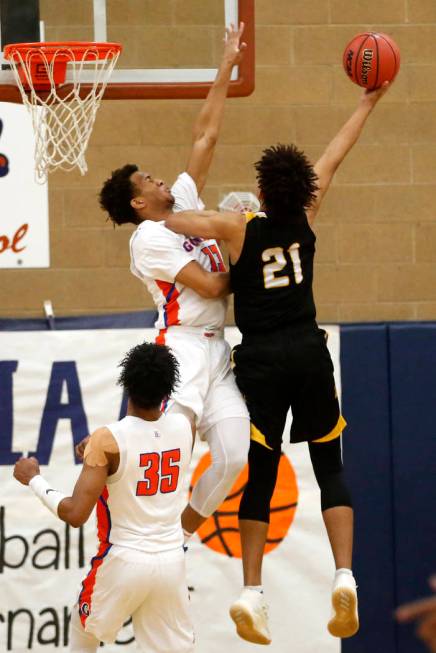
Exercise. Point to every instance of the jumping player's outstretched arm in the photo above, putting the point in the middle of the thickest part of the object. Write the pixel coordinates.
(76, 509)
(207, 126)
(342, 143)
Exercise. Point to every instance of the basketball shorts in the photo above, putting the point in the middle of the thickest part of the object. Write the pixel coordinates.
(207, 384)
(286, 369)
(149, 587)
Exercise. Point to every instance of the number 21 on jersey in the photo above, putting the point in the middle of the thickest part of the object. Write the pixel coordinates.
(161, 473)
(275, 260)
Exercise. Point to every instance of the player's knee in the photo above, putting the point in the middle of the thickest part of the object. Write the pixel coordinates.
(328, 469)
(231, 467)
(334, 491)
(255, 504)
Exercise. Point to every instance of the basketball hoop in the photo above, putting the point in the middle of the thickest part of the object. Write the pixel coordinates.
(51, 78)
(240, 202)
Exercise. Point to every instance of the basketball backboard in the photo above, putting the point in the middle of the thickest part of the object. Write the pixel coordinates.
(171, 48)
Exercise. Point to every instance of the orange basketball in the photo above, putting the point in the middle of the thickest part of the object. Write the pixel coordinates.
(221, 531)
(370, 59)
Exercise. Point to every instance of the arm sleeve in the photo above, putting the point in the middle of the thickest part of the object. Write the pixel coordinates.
(185, 194)
(160, 256)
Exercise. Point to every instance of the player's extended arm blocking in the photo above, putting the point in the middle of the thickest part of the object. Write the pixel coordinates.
(342, 143)
(207, 126)
(206, 224)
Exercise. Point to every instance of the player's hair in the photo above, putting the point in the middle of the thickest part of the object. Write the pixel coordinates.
(116, 194)
(287, 182)
(149, 374)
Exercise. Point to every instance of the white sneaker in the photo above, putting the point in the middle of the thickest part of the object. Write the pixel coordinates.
(250, 614)
(345, 619)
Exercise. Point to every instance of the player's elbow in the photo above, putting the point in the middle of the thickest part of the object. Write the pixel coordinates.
(207, 139)
(218, 288)
(74, 519)
(208, 292)
(76, 522)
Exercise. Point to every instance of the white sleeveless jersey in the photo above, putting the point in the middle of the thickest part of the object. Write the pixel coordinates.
(142, 502)
(157, 255)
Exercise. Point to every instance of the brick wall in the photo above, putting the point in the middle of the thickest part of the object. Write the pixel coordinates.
(376, 231)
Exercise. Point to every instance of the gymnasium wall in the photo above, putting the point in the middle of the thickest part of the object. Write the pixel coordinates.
(376, 232)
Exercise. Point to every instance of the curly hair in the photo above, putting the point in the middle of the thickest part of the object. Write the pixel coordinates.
(287, 181)
(149, 374)
(116, 194)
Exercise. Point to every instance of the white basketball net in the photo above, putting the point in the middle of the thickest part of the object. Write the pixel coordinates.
(240, 201)
(63, 122)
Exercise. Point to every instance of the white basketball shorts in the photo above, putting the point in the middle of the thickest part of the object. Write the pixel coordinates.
(149, 587)
(207, 384)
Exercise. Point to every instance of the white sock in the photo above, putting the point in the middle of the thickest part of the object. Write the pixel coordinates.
(186, 536)
(255, 588)
(343, 570)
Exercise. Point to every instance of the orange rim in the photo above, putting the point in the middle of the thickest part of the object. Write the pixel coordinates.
(75, 50)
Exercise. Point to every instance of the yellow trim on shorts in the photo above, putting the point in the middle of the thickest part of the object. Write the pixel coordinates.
(335, 433)
(258, 437)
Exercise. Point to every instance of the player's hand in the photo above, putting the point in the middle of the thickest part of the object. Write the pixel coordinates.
(233, 48)
(80, 448)
(25, 469)
(370, 98)
(423, 612)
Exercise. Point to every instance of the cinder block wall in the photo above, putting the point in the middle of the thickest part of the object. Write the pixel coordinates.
(377, 230)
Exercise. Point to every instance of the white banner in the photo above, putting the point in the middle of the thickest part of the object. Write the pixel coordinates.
(24, 235)
(55, 386)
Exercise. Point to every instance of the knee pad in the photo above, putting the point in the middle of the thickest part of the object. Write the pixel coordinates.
(263, 466)
(328, 469)
(334, 492)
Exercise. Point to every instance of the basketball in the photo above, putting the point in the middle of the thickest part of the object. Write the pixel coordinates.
(221, 531)
(370, 59)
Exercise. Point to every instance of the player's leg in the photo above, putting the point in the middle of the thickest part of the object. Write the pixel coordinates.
(191, 352)
(254, 510)
(337, 514)
(336, 503)
(118, 581)
(249, 611)
(80, 640)
(256, 377)
(162, 623)
(226, 428)
(317, 419)
(228, 442)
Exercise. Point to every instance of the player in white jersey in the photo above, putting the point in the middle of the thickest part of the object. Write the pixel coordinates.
(133, 473)
(188, 282)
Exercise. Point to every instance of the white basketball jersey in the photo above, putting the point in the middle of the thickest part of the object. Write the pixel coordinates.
(157, 255)
(142, 503)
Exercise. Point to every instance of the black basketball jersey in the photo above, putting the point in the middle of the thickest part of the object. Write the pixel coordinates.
(272, 280)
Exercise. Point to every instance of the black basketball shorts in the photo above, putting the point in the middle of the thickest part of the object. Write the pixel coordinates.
(290, 368)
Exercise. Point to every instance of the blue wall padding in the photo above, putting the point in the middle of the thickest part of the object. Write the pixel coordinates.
(413, 392)
(132, 320)
(367, 458)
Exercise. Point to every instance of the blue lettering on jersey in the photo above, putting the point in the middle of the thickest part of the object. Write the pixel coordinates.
(189, 244)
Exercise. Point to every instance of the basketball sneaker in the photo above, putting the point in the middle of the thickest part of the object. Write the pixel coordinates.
(345, 619)
(250, 614)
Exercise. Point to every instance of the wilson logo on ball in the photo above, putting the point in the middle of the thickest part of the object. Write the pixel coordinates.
(221, 531)
(366, 65)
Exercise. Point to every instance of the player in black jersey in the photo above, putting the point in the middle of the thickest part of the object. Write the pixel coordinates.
(283, 361)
